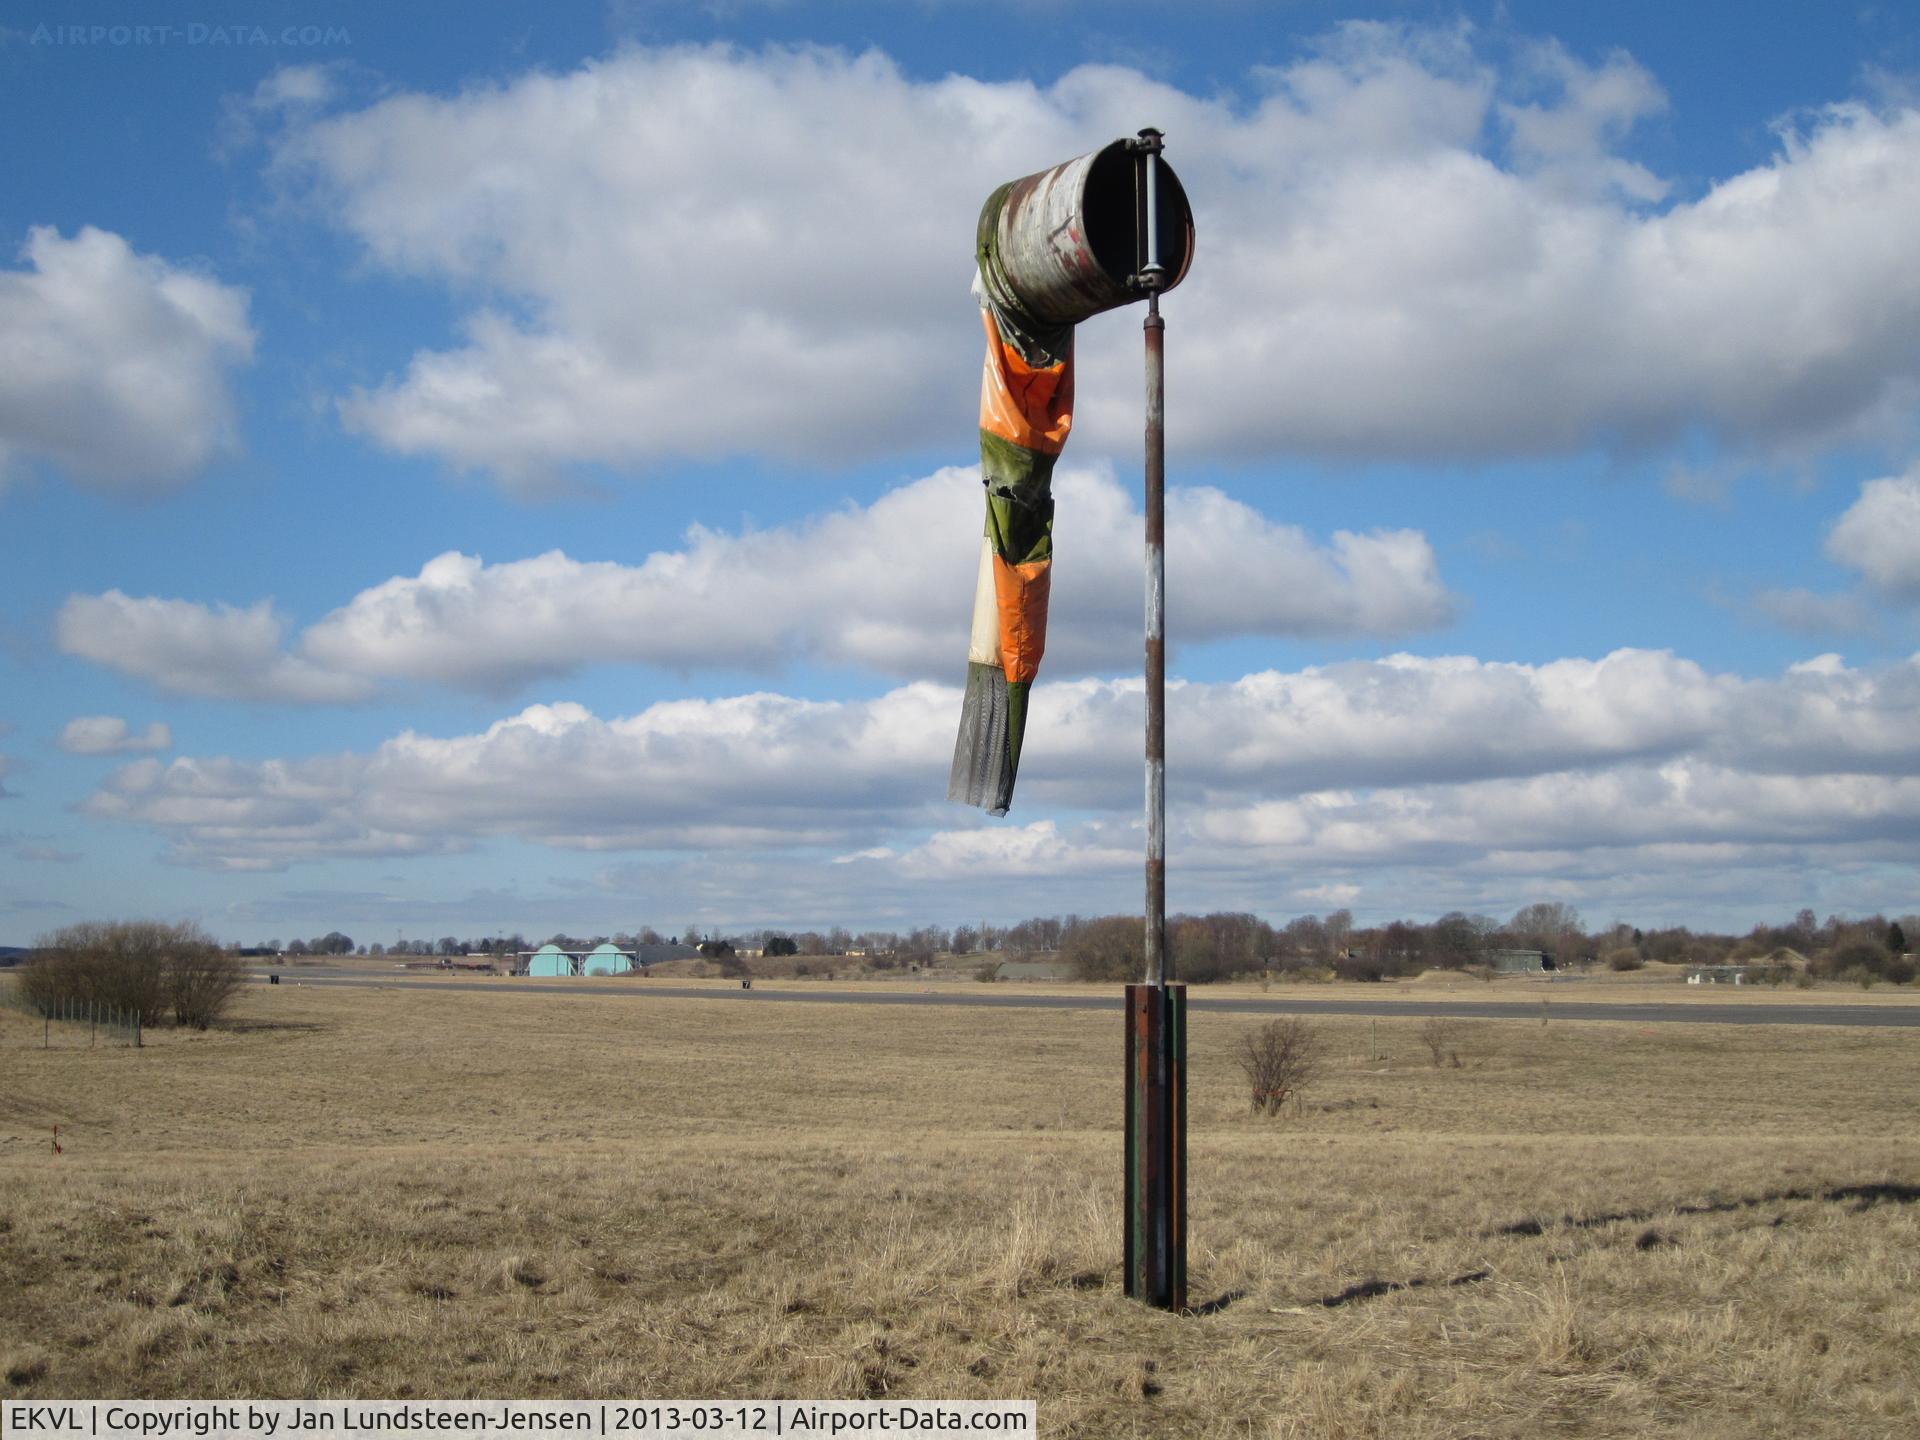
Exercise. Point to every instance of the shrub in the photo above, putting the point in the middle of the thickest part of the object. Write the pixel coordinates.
(1354, 967)
(1440, 1035)
(202, 980)
(139, 966)
(1625, 958)
(1108, 948)
(120, 964)
(1303, 973)
(988, 973)
(1850, 962)
(1844, 961)
(1280, 1060)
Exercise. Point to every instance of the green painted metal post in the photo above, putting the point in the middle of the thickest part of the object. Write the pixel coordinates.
(1156, 1206)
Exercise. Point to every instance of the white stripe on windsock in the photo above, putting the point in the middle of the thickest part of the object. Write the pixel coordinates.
(983, 647)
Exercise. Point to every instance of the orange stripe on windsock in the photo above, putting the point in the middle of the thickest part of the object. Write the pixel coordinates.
(1028, 407)
(1021, 592)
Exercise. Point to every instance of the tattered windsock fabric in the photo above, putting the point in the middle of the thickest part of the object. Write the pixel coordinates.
(1026, 410)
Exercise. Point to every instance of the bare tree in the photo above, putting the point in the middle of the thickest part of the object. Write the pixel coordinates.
(1440, 1035)
(1280, 1060)
(1105, 949)
(1549, 925)
(201, 979)
(119, 963)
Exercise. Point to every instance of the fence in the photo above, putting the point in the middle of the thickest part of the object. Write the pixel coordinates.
(103, 1024)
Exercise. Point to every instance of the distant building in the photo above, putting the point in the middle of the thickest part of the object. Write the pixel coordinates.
(1033, 970)
(606, 960)
(662, 951)
(551, 960)
(1519, 962)
(1720, 975)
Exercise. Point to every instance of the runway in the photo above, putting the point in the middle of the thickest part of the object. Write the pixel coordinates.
(1702, 1012)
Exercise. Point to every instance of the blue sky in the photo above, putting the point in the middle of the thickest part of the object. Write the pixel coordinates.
(466, 470)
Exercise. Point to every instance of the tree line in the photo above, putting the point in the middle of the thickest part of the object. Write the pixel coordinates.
(1224, 943)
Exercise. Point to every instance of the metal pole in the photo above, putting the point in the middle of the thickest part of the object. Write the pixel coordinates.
(1159, 970)
(1154, 329)
(1156, 1218)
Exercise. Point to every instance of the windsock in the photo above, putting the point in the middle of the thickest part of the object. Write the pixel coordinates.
(1026, 410)
(1052, 249)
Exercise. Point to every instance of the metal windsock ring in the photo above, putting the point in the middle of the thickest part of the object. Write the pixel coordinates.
(1052, 249)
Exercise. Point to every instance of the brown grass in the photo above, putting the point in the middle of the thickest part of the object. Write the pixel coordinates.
(1656, 984)
(1655, 1229)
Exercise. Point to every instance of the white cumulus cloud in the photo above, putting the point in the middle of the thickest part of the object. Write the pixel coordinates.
(1040, 848)
(111, 735)
(1571, 137)
(1879, 535)
(746, 772)
(885, 587)
(188, 648)
(1402, 252)
(116, 366)
(840, 589)
(1456, 761)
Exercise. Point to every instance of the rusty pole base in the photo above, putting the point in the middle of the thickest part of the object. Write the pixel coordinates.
(1156, 1208)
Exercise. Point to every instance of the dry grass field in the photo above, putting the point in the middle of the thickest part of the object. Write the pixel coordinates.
(1585, 1229)
(1655, 984)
